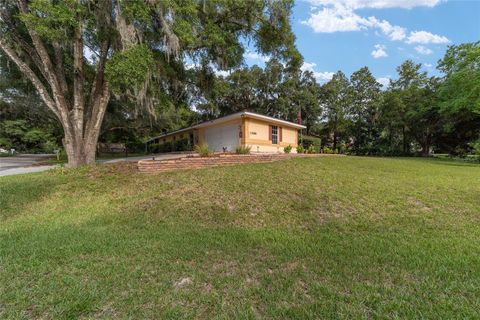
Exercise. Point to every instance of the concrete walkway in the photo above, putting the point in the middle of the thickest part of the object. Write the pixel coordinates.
(25, 163)
(23, 170)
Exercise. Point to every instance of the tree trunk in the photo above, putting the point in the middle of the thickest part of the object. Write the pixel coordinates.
(334, 141)
(425, 150)
(81, 148)
(75, 153)
(426, 144)
(81, 121)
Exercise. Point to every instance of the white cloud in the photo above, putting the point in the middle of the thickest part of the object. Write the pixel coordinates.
(394, 33)
(426, 37)
(428, 65)
(256, 56)
(379, 51)
(334, 19)
(308, 66)
(423, 50)
(384, 81)
(222, 73)
(189, 65)
(341, 19)
(321, 77)
(377, 4)
(339, 16)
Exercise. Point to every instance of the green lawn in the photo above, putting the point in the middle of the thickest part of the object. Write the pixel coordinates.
(328, 237)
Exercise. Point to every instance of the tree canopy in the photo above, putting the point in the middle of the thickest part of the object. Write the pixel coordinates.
(77, 53)
(74, 72)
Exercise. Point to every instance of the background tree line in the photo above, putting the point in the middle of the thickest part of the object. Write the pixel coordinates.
(415, 114)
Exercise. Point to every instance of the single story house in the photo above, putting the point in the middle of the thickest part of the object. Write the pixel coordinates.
(261, 133)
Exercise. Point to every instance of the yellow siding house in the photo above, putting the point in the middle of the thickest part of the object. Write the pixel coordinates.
(262, 133)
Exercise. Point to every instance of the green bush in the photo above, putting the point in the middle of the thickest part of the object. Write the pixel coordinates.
(182, 145)
(308, 141)
(161, 147)
(18, 134)
(49, 146)
(243, 149)
(476, 148)
(327, 150)
(203, 150)
(300, 149)
(171, 146)
(311, 149)
(5, 143)
(287, 149)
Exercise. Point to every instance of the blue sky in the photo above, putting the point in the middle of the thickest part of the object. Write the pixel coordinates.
(349, 34)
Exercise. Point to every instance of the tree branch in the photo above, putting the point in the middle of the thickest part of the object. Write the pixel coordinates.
(99, 76)
(58, 96)
(78, 80)
(98, 90)
(12, 31)
(42, 90)
(59, 68)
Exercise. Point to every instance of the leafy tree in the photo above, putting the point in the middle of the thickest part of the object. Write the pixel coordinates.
(459, 95)
(460, 90)
(271, 89)
(133, 46)
(20, 101)
(391, 123)
(424, 118)
(364, 108)
(276, 90)
(308, 103)
(335, 99)
(298, 92)
(21, 136)
(409, 85)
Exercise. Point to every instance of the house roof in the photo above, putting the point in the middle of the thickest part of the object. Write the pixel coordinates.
(234, 116)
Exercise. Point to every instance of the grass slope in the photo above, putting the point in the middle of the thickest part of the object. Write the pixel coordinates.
(330, 237)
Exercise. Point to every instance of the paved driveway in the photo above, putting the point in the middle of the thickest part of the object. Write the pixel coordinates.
(28, 163)
(161, 156)
(25, 163)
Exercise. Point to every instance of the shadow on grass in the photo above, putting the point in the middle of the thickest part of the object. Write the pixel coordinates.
(16, 193)
(433, 160)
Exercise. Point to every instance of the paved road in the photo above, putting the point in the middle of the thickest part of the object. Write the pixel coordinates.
(28, 163)
(25, 163)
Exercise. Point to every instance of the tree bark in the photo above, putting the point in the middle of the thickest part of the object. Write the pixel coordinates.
(81, 122)
(426, 142)
(426, 150)
(335, 141)
(404, 137)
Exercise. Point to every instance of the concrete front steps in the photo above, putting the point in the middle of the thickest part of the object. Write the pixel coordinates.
(154, 166)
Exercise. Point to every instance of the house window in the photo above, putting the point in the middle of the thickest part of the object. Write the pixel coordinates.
(274, 135)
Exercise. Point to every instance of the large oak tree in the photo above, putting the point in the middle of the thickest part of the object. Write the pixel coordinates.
(76, 53)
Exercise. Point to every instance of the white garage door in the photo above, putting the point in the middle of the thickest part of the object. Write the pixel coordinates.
(224, 136)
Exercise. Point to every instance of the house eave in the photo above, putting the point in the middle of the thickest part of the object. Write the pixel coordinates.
(231, 117)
